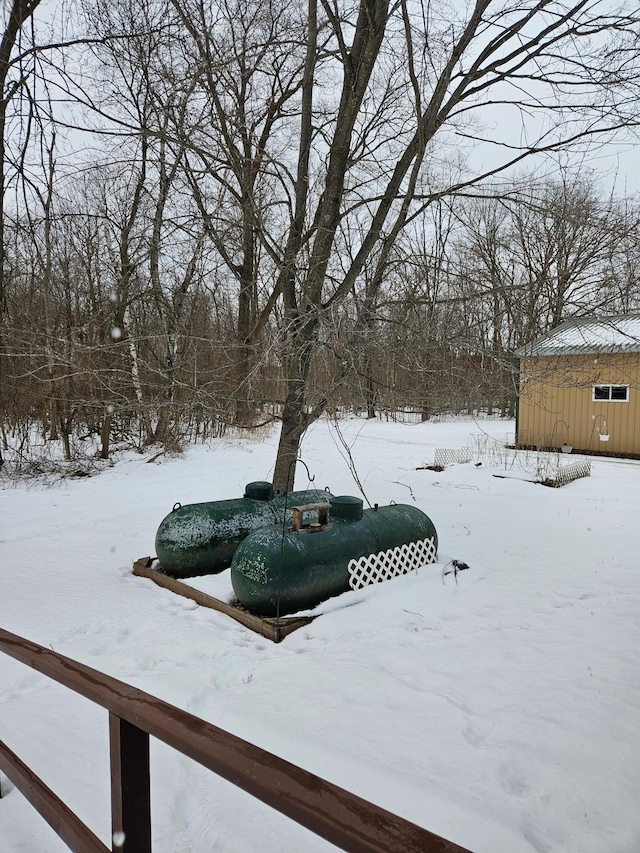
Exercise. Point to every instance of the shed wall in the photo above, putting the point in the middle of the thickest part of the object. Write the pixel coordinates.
(554, 389)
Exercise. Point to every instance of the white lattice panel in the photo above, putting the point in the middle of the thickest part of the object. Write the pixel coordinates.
(449, 455)
(375, 568)
(574, 471)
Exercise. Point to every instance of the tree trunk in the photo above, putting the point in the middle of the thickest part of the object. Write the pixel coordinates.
(145, 420)
(288, 446)
(294, 423)
(295, 418)
(370, 393)
(244, 412)
(65, 432)
(105, 434)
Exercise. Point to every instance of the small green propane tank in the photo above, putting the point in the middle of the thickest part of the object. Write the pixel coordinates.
(277, 571)
(201, 538)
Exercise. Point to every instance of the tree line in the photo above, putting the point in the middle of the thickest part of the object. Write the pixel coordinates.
(227, 213)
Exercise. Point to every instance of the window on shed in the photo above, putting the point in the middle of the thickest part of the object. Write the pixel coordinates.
(615, 393)
(619, 392)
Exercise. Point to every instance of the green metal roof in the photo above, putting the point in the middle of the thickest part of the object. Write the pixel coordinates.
(620, 333)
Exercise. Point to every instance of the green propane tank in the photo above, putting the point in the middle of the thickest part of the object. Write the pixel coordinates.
(302, 564)
(201, 539)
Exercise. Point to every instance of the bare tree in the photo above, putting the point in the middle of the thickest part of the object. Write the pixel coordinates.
(248, 58)
(493, 54)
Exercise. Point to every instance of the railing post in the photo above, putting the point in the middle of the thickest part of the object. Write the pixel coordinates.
(130, 789)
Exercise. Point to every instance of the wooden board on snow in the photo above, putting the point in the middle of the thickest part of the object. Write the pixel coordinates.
(273, 629)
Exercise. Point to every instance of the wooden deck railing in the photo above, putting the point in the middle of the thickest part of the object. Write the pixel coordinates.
(344, 819)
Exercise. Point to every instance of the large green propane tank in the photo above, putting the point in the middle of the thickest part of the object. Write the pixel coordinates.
(200, 539)
(303, 565)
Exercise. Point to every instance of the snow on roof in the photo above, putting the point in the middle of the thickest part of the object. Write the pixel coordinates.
(588, 334)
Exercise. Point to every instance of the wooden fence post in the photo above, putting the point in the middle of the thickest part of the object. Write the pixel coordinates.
(130, 788)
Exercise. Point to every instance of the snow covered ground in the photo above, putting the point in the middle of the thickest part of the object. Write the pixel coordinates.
(502, 712)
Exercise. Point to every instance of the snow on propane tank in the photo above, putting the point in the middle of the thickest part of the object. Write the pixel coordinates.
(304, 564)
(201, 538)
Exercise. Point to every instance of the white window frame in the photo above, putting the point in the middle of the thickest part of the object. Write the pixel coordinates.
(610, 386)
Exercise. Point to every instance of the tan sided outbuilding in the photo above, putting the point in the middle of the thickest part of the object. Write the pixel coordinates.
(580, 387)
